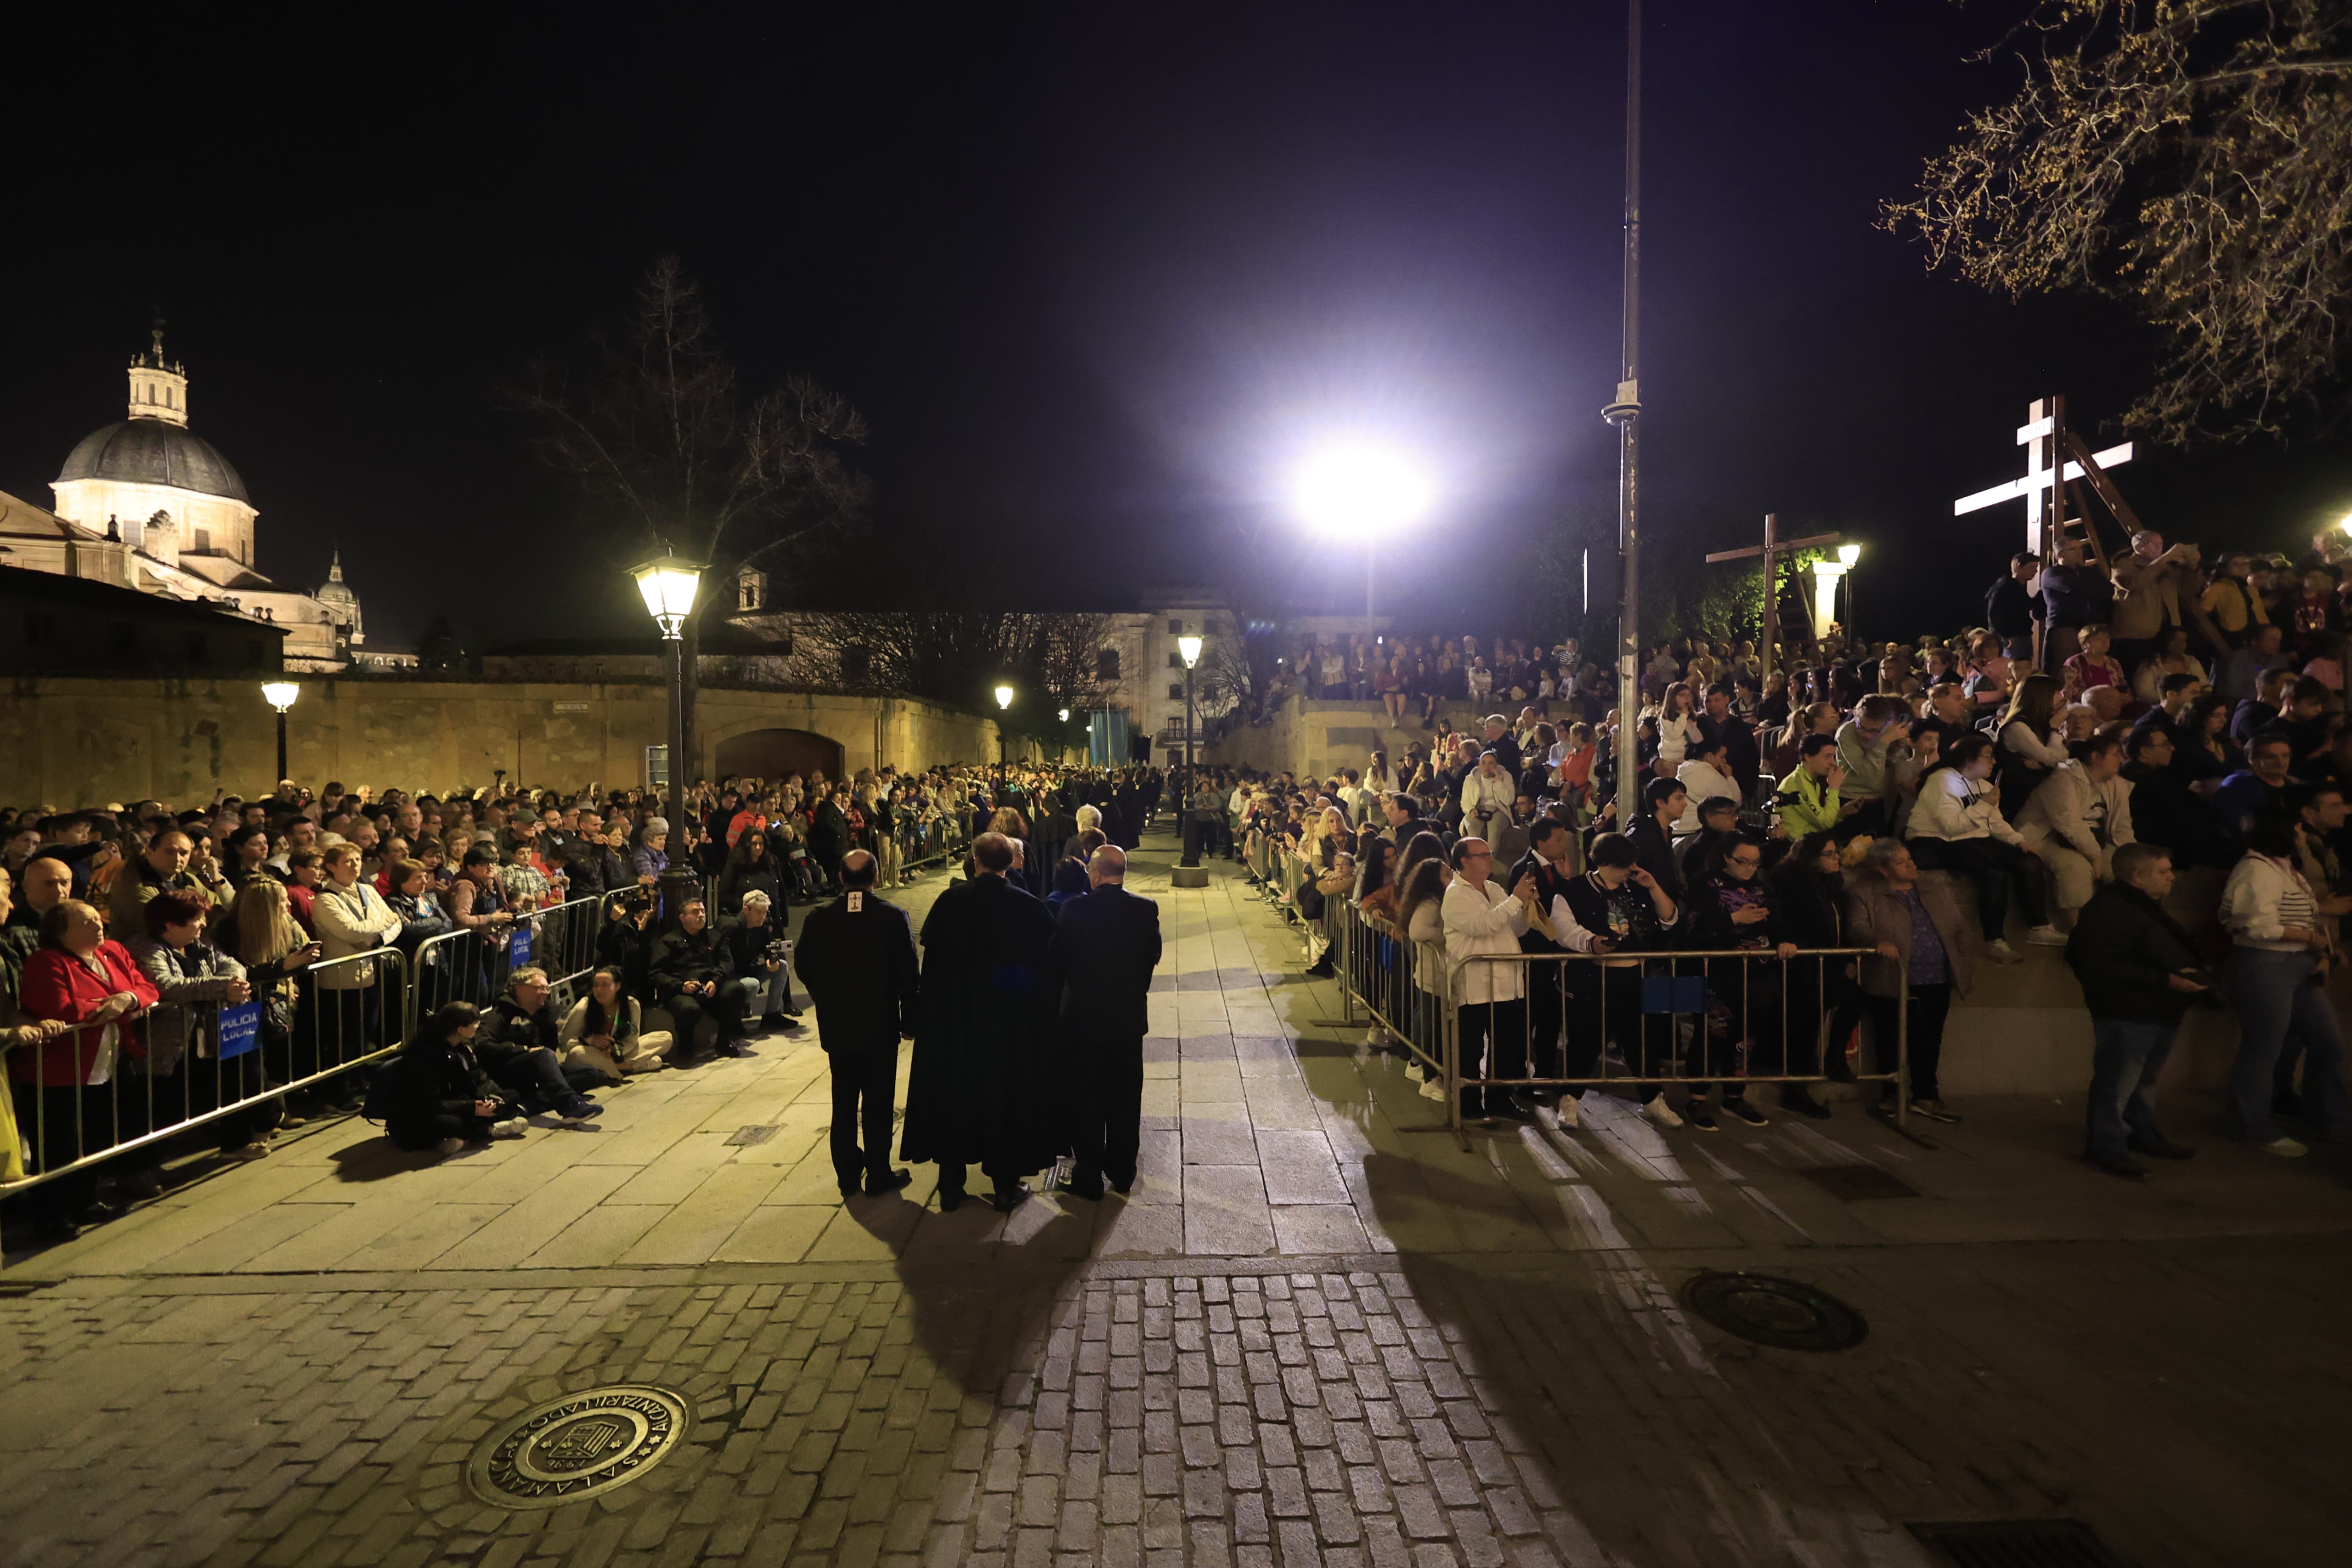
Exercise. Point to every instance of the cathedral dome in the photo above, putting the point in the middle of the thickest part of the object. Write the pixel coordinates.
(155, 452)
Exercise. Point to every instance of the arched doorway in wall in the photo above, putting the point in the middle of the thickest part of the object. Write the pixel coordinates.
(778, 753)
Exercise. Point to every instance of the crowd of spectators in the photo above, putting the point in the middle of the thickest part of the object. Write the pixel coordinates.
(2107, 730)
(124, 929)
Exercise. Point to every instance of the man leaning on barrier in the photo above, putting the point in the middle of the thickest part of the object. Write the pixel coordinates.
(1918, 933)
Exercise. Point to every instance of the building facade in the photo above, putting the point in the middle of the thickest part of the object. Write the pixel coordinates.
(149, 505)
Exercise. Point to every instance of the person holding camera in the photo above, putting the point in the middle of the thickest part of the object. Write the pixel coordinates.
(2139, 973)
(760, 954)
(1487, 791)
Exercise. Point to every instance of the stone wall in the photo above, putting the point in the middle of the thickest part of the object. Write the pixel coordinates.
(66, 743)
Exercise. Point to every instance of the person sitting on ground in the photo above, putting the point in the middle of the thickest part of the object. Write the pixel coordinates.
(519, 1048)
(605, 1032)
(435, 1095)
(691, 982)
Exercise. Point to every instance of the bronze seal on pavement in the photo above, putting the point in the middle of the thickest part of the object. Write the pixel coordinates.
(578, 1447)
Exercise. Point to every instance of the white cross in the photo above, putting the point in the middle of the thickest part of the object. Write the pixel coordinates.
(2043, 436)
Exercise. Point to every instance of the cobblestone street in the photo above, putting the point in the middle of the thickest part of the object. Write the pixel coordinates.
(1312, 1335)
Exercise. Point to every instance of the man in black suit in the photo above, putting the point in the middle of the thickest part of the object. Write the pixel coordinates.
(857, 956)
(1720, 723)
(1105, 945)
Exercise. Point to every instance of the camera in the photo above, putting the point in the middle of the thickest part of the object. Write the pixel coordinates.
(632, 899)
(778, 950)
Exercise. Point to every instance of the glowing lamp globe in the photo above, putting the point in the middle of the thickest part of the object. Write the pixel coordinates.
(1004, 697)
(1355, 491)
(1189, 648)
(668, 584)
(280, 694)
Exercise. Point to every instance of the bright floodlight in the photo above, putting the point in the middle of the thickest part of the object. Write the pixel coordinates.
(1189, 648)
(280, 694)
(1849, 553)
(1004, 697)
(1066, 715)
(2346, 524)
(668, 584)
(1358, 491)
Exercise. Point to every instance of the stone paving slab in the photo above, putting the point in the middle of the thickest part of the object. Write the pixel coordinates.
(1310, 1336)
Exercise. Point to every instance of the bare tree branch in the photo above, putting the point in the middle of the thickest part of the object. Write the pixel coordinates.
(2192, 157)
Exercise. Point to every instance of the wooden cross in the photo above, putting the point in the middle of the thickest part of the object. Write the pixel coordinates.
(2045, 438)
(1771, 550)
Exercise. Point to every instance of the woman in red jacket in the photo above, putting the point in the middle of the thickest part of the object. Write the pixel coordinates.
(70, 1093)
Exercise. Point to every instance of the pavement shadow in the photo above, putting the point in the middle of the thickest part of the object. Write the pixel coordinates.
(379, 1159)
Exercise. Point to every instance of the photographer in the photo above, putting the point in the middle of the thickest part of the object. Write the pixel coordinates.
(759, 954)
(1487, 791)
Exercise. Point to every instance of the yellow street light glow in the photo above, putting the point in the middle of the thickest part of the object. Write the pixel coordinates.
(280, 694)
(1189, 648)
(669, 585)
(1358, 491)
(1004, 697)
(1849, 553)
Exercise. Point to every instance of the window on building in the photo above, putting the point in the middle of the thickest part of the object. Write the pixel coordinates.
(1107, 664)
(1175, 628)
(1176, 690)
(1175, 661)
(657, 767)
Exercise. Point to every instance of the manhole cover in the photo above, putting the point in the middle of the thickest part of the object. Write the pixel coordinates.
(1785, 1314)
(745, 1137)
(578, 1445)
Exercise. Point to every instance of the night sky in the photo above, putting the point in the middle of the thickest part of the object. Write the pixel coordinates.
(1097, 281)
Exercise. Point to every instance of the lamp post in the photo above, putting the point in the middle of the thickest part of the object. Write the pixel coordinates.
(1188, 646)
(669, 584)
(280, 695)
(1624, 411)
(1004, 705)
(1826, 574)
(1847, 555)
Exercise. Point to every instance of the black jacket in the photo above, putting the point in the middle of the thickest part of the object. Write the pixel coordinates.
(508, 1032)
(1106, 945)
(679, 956)
(1654, 851)
(2125, 949)
(431, 1077)
(1550, 884)
(859, 967)
(746, 946)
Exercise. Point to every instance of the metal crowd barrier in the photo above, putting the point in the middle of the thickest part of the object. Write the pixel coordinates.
(465, 965)
(166, 1073)
(1649, 1019)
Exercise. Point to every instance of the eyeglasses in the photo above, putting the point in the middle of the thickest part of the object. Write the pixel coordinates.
(1748, 862)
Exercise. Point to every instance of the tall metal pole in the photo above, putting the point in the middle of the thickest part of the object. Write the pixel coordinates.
(1625, 413)
(281, 749)
(1189, 829)
(676, 734)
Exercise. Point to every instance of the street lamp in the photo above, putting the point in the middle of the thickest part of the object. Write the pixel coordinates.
(669, 584)
(1188, 646)
(1847, 555)
(280, 695)
(1003, 704)
(1361, 495)
(1826, 574)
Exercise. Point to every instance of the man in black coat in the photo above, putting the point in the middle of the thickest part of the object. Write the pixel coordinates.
(2139, 973)
(857, 956)
(693, 979)
(1720, 723)
(1106, 945)
(979, 1091)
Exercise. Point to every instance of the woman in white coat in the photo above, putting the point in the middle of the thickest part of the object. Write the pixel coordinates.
(347, 1002)
(1957, 825)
